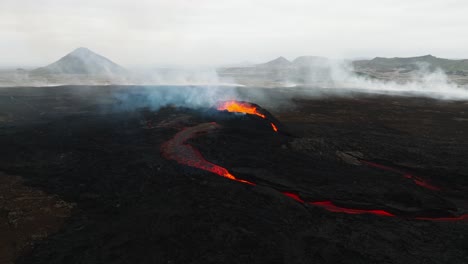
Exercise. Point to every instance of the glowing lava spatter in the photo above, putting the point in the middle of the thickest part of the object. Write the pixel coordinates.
(239, 107)
(274, 127)
(234, 106)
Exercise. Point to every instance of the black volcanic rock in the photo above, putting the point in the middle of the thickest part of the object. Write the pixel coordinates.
(82, 61)
(134, 206)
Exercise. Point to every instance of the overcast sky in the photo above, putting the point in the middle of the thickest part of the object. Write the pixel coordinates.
(203, 32)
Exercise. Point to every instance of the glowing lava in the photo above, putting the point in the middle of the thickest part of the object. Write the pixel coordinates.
(274, 127)
(243, 107)
(330, 206)
(293, 196)
(176, 149)
(418, 181)
(239, 107)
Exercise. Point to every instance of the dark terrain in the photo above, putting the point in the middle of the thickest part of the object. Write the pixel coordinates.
(93, 164)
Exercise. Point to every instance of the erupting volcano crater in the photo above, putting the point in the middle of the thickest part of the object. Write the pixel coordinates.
(247, 108)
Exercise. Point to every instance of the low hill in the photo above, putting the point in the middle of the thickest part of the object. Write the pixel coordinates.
(279, 62)
(82, 61)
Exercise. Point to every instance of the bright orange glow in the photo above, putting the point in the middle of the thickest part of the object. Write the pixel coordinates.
(239, 107)
(176, 149)
(242, 107)
(274, 127)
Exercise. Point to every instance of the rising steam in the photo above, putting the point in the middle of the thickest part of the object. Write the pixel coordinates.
(340, 75)
(202, 87)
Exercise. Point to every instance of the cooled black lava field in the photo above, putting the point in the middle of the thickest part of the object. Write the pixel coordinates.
(332, 179)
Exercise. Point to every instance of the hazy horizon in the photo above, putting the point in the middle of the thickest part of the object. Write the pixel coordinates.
(209, 32)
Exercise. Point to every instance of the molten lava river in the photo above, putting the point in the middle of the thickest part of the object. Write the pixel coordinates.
(179, 150)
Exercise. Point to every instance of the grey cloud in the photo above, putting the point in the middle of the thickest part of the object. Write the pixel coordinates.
(220, 31)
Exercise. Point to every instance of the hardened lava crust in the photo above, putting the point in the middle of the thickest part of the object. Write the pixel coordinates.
(355, 179)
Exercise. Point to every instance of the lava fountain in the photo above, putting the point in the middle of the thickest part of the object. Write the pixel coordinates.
(234, 106)
(239, 107)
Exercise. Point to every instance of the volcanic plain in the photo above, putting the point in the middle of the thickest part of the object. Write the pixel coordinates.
(91, 177)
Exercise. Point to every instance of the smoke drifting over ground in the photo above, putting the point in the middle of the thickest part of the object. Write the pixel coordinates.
(155, 97)
(180, 76)
(203, 87)
(158, 76)
(340, 75)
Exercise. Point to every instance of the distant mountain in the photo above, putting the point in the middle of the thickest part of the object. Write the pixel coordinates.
(319, 70)
(307, 61)
(82, 61)
(403, 65)
(276, 63)
(279, 72)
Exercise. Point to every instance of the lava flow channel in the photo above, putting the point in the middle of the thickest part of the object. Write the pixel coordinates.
(234, 106)
(331, 207)
(177, 149)
(415, 179)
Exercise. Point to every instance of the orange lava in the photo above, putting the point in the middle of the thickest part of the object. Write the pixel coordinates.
(274, 127)
(234, 106)
(239, 107)
(176, 149)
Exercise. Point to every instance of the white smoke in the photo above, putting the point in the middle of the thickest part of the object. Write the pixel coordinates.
(339, 74)
(202, 87)
(204, 76)
(157, 76)
(155, 97)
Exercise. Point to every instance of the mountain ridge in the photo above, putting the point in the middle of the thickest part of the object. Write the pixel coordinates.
(315, 69)
(412, 63)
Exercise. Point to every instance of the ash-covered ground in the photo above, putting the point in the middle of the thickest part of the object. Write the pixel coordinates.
(86, 180)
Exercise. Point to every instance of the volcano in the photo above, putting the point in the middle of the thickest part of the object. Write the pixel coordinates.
(82, 61)
(250, 109)
(343, 180)
(279, 62)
